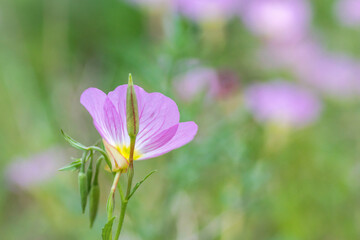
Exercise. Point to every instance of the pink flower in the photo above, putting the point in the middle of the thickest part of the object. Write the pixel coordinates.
(348, 12)
(335, 75)
(195, 82)
(208, 82)
(282, 103)
(207, 10)
(279, 20)
(159, 128)
(36, 169)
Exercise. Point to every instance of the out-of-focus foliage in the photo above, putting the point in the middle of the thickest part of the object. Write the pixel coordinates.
(242, 177)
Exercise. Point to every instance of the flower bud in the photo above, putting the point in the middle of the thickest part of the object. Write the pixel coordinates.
(94, 196)
(132, 114)
(83, 189)
(89, 174)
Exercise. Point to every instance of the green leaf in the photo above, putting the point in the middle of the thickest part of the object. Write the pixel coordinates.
(75, 165)
(73, 142)
(106, 231)
(137, 185)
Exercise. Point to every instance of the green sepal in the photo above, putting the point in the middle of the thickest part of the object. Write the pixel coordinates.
(132, 112)
(137, 185)
(75, 165)
(83, 190)
(80, 146)
(73, 142)
(94, 196)
(107, 230)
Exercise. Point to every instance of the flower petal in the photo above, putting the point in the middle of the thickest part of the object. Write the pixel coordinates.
(185, 132)
(156, 112)
(117, 160)
(106, 119)
(112, 123)
(157, 140)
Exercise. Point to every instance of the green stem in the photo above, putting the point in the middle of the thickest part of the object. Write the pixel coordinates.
(111, 199)
(128, 190)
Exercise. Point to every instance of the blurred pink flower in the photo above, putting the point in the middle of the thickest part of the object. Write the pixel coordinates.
(277, 20)
(282, 103)
(159, 128)
(348, 12)
(197, 81)
(36, 169)
(331, 74)
(292, 56)
(337, 76)
(207, 10)
(207, 81)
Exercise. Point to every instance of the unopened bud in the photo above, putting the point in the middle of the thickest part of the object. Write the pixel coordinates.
(132, 114)
(94, 196)
(83, 190)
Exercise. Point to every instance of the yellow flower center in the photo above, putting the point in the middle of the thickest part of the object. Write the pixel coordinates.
(125, 152)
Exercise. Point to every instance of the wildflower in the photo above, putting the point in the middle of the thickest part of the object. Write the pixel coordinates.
(207, 10)
(159, 128)
(211, 83)
(347, 12)
(277, 20)
(200, 80)
(34, 170)
(332, 74)
(282, 103)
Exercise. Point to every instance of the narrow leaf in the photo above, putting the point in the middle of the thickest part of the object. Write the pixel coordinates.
(137, 185)
(73, 142)
(75, 165)
(106, 231)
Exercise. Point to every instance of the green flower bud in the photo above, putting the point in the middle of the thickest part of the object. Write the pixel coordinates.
(83, 190)
(89, 174)
(94, 196)
(132, 114)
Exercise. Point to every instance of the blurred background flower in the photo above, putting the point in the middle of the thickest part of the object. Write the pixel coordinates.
(282, 103)
(208, 10)
(347, 11)
(35, 170)
(272, 84)
(277, 20)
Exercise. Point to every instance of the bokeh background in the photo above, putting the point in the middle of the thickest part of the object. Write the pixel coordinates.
(274, 86)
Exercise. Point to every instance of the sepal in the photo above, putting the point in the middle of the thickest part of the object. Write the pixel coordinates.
(132, 112)
(75, 165)
(73, 142)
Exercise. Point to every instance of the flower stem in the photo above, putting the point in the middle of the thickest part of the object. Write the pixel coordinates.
(128, 190)
(111, 199)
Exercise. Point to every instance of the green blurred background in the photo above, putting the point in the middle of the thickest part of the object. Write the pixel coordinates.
(236, 180)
